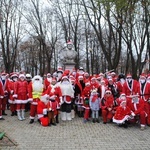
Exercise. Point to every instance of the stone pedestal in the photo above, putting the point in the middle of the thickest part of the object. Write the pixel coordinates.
(69, 66)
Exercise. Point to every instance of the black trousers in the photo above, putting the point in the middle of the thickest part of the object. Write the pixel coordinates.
(66, 107)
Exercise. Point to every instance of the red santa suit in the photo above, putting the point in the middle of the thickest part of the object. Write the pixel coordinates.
(1, 97)
(129, 90)
(20, 95)
(107, 106)
(42, 110)
(35, 89)
(67, 95)
(85, 96)
(137, 107)
(11, 88)
(144, 92)
(47, 81)
(5, 82)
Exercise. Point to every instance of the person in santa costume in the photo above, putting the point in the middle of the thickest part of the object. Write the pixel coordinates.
(144, 93)
(47, 81)
(1, 97)
(42, 110)
(120, 82)
(67, 95)
(94, 105)
(136, 105)
(5, 82)
(107, 106)
(130, 85)
(54, 90)
(52, 109)
(79, 86)
(11, 88)
(86, 96)
(122, 114)
(59, 72)
(35, 90)
(21, 96)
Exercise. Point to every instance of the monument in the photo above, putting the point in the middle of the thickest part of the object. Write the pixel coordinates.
(67, 57)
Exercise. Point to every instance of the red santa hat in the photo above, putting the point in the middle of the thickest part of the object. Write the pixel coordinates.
(80, 77)
(48, 74)
(21, 76)
(122, 94)
(129, 75)
(148, 77)
(102, 81)
(66, 72)
(71, 78)
(87, 83)
(64, 77)
(143, 75)
(113, 73)
(93, 78)
(108, 91)
(12, 75)
(28, 75)
(54, 79)
(101, 74)
(86, 74)
(60, 69)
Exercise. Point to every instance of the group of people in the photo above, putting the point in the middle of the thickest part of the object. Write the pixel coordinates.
(116, 98)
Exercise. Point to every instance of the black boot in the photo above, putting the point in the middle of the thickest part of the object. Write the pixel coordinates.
(57, 120)
(93, 120)
(31, 121)
(13, 113)
(97, 120)
(3, 113)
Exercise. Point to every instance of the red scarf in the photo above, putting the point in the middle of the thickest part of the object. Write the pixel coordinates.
(94, 98)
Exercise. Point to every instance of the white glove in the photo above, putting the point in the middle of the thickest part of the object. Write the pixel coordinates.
(133, 114)
(61, 101)
(44, 111)
(11, 92)
(15, 96)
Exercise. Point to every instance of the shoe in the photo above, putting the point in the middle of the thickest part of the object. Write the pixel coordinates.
(125, 125)
(31, 121)
(85, 121)
(2, 119)
(12, 114)
(54, 124)
(3, 113)
(97, 120)
(104, 122)
(142, 127)
(93, 121)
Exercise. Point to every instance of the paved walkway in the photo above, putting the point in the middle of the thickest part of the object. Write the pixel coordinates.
(73, 135)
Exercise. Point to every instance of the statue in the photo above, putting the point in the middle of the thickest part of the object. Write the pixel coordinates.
(69, 54)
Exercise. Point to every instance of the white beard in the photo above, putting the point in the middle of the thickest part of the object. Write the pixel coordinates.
(53, 88)
(49, 79)
(37, 86)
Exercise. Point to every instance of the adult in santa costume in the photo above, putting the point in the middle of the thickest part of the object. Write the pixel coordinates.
(86, 96)
(1, 97)
(80, 72)
(144, 93)
(107, 106)
(136, 105)
(122, 114)
(59, 73)
(11, 88)
(79, 86)
(67, 95)
(42, 110)
(35, 90)
(55, 91)
(47, 81)
(130, 85)
(28, 79)
(5, 82)
(120, 82)
(94, 105)
(20, 96)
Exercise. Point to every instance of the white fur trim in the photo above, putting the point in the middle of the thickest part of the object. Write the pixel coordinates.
(18, 101)
(32, 117)
(34, 103)
(40, 116)
(11, 101)
(1, 96)
(15, 96)
(121, 121)
(30, 99)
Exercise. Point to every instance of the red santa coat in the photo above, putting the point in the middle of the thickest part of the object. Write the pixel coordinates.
(120, 86)
(85, 96)
(5, 87)
(52, 106)
(129, 91)
(1, 91)
(145, 94)
(54, 91)
(11, 88)
(41, 109)
(121, 114)
(21, 92)
(46, 84)
(107, 102)
(138, 107)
